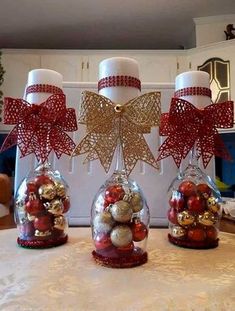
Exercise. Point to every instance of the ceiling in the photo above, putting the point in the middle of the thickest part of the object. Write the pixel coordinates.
(104, 24)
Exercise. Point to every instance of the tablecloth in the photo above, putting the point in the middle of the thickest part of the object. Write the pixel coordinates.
(67, 278)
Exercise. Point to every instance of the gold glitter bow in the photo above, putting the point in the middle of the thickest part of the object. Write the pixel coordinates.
(108, 124)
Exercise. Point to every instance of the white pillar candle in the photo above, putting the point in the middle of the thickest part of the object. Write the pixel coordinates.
(194, 79)
(42, 76)
(119, 66)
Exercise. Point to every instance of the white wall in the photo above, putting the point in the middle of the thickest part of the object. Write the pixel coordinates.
(211, 29)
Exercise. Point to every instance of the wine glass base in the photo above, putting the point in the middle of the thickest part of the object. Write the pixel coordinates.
(121, 262)
(207, 244)
(37, 244)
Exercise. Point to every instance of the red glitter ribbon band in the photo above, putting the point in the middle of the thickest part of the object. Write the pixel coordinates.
(119, 81)
(43, 88)
(195, 90)
(185, 126)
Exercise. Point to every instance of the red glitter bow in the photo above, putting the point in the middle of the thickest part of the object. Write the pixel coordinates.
(186, 126)
(40, 128)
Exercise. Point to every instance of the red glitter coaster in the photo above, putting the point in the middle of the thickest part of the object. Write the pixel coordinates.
(190, 244)
(121, 262)
(42, 243)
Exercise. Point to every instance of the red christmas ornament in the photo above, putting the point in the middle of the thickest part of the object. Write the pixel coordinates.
(66, 204)
(204, 189)
(126, 250)
(102, 241)
(177, 201)
(31, 187)
(43, 223)
(196, 234)
(113, 194)
(211, 233)
(139, 231)
(172, 216)
(187, 188)
(34, 206)
(196, 204)
(42, 180)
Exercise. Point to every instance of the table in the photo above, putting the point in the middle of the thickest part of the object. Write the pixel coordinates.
(67, 278)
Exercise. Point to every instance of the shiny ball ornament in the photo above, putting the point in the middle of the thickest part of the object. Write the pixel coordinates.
(196, 234)
(204, 190)
(60, 222)
(136, 202)
(114, 193)
(66, 204)
(185, 218)
(178, 232)
(177, 200)
(43, 222)
(102, 241)
(34, 206)
(172, 216)
(55, 207)
(211, 233)
(139, 230)
(188, 188)
(125, 250)
(207, 219)
(213, 205)
(121, 236)
(47, 191)
(60, 189)
(103, 222)
(42, 234)
(43, 180)
(121, 211)
(31, 187)
(196, 204)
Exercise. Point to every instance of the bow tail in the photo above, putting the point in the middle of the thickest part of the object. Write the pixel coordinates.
(61, 142)
(171, 148)
(135, 147)
(105, 148)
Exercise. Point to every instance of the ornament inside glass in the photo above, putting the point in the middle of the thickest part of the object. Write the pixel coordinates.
(120, 222)
(194, 209)
(41, 204)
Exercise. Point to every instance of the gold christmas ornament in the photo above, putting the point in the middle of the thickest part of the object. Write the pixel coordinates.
(185, 218)
(47, 191)
(207, 219)
(55, 207)
(121, 211)
(121, 236)
(136, 202)
(178, 232)
(60, 222)
(42, 233)
(108, 124)
(103, 222)
(60, 189)
(213, 205)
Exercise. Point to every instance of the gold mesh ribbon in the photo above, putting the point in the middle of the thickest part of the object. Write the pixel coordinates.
(108, 124)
